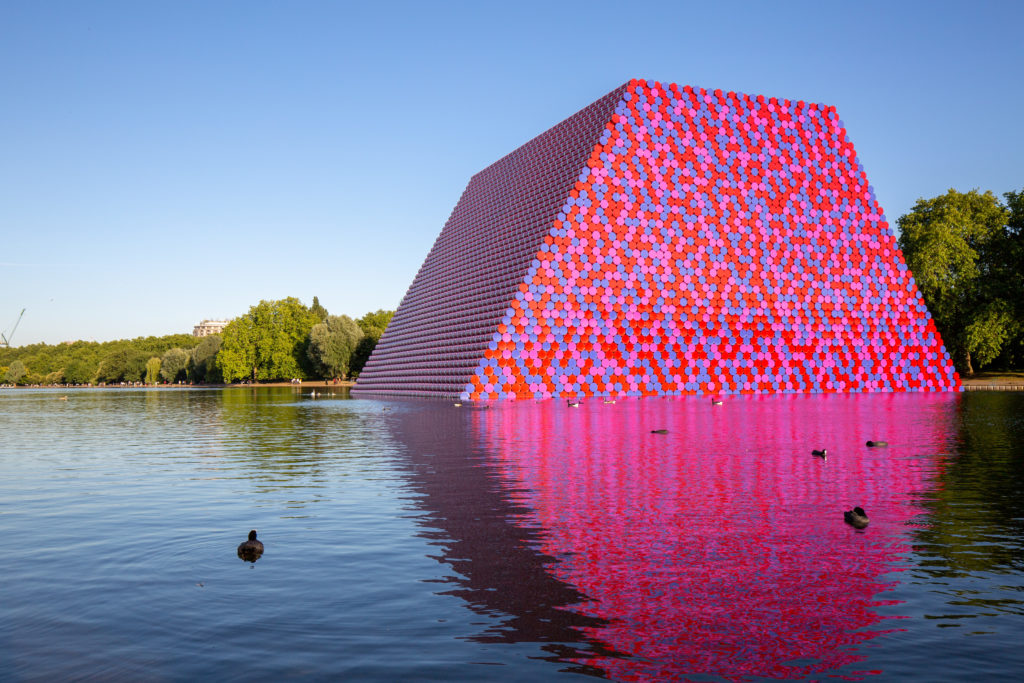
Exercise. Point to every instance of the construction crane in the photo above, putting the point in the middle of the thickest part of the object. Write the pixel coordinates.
(7, 337)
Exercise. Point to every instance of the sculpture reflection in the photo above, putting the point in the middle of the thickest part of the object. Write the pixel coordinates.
(717, 549)
(657, 539)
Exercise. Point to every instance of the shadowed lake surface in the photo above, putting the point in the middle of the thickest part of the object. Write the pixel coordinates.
(531, 540)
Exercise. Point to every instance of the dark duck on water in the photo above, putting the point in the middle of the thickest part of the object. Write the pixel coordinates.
(856, 518)
(252, 549)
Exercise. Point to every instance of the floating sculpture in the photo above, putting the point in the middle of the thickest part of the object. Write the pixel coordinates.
(666, 240)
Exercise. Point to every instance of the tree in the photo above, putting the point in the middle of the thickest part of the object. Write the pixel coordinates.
(202, 364)
(948, 244)
(375, 322)
(268, 343)
(122, 364)
(237, 356)
(1008, 274)
(15, 372)
(173, 363)
(373, 325)
(79, 371)
(331, 345)
(152, 370)
(319, 311)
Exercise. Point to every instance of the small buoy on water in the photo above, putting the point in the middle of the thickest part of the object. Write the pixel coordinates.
(856, 518)
(877, 444)
(457, 405)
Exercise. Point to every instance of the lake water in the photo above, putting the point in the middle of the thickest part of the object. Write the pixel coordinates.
(525, 541)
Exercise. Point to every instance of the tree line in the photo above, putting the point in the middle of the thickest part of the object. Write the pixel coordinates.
(966, 251)
(275, 340)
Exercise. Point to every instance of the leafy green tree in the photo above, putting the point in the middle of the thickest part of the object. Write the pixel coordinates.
(948, 243)
(203, 360)
(375, 322)
(237, 356)
(153, 370)
(319, 311)
(373, 325)
(122, 364)
(270, 342)
(332, 344)
(15, 372)
(79, 371)
(172, 364)
(1008, 275)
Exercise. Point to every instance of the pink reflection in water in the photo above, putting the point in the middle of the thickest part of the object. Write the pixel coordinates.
(720, 548)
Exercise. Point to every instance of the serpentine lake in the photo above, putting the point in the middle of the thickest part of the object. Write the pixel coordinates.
(414, 540)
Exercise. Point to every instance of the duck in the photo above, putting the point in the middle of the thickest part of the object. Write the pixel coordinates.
(856, 518)
(252, 549)
(573, 404)
(609, 400)
(659, 431)
(716, 401)
(877, 444)
(823, 453)
(457, 405)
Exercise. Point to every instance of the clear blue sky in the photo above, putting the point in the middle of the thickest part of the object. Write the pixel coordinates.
(165, 162)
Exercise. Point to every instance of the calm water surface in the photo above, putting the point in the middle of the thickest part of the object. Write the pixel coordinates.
(419, 541)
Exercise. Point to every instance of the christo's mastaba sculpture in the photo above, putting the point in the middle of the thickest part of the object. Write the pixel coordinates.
(665, 240)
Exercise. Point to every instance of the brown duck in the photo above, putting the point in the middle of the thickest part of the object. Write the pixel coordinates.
(252, 549)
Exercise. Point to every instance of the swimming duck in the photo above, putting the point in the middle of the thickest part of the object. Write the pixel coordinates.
(823, 453)
(573, 404)
(457, 405)
(877, 444)
(856, 518)
(252, 549)
(609, 400)
(659, 431)
(716, 401)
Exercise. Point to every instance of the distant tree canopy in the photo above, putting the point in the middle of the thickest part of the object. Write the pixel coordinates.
(202, 362)
(15, 372)
(373, 326)
(152, 370)
(269, 342)
(965, 250)
(331, 345)
(319, 311)
(173, 364)
(273, 341)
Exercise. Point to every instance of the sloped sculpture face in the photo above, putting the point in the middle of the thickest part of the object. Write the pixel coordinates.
(706, 242)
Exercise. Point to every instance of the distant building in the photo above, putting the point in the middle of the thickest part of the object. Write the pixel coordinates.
(208, 327)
